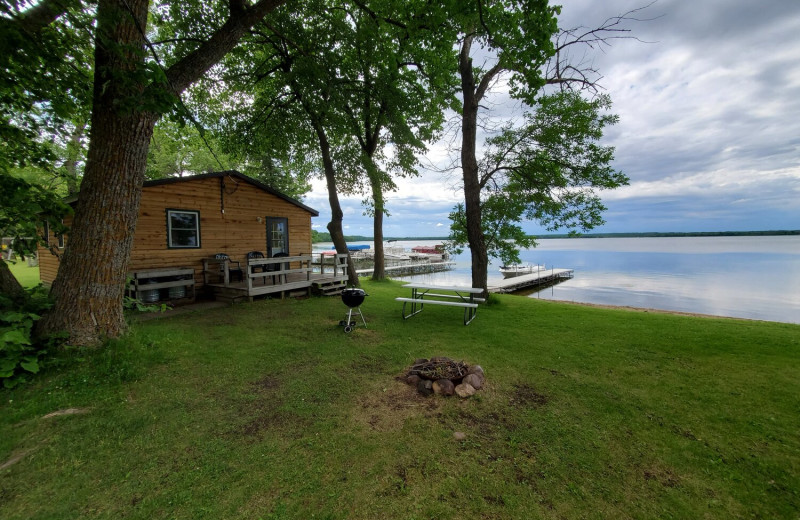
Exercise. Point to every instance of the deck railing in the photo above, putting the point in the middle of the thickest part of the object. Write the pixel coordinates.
(281, 273)
(337, 263)
(262, 276)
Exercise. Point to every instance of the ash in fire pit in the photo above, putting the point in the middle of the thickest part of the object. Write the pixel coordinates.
(444, 376)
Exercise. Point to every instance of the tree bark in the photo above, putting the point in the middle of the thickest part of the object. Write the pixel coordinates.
(43, 14)
(337, 215)
(89, 287)
(73, 154)
(9, 285)
(469, 167)
(379, 267)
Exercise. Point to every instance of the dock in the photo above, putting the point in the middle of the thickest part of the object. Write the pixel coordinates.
(409, 269)
(526, 281)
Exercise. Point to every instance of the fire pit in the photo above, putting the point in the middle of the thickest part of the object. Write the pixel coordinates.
(444, 376)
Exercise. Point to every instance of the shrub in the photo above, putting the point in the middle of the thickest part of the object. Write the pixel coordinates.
(20, 353)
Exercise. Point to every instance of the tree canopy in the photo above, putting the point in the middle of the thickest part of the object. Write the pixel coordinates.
(353, 91)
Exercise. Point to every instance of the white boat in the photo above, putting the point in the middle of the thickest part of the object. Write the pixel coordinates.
(512, 270)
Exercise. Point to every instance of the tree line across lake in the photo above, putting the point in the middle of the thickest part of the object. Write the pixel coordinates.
(317, 237)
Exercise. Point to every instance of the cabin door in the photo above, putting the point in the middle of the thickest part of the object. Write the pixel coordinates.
(277, 236)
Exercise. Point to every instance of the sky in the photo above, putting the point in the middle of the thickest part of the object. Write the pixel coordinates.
(708, 96)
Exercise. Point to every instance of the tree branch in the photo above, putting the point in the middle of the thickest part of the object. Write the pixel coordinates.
(189, 68)
(43, 14)
(569, 74)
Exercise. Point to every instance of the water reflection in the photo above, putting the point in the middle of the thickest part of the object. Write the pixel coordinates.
(746, 277)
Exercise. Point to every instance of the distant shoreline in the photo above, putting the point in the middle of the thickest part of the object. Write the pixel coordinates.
(654, 234)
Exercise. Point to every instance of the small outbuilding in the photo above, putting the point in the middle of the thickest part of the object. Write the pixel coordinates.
(219, 231)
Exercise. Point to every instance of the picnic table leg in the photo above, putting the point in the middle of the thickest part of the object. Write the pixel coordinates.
(414, 310)
(470, 312)
(469, 315)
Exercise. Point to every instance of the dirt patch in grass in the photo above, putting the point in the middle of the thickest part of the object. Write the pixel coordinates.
(386, 408)
(525, 395)
(266, 384)
(664, 476)
(265, 413)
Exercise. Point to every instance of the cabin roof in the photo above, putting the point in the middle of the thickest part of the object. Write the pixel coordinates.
(237, 176)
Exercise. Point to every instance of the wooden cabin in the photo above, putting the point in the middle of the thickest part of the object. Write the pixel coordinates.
(187, 225)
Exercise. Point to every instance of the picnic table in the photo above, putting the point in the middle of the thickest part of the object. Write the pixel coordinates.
(453, 296)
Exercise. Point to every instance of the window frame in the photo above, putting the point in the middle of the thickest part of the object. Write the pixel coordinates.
(169, 212)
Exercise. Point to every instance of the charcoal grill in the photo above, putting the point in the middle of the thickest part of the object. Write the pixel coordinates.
(353, 298)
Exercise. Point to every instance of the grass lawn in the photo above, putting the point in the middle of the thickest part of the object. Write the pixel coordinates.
(268, 410)
(27, 276)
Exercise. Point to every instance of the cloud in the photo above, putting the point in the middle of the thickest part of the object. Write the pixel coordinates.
(709, 102)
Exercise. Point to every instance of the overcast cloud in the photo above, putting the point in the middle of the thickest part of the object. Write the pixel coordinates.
(709, 132)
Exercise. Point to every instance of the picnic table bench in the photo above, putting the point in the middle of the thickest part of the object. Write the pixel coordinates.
(422, 294)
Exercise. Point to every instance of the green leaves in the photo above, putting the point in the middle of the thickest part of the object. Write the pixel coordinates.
(554, 163)
(46, 82)
(18, 354)
(549, 169)
(23, 206)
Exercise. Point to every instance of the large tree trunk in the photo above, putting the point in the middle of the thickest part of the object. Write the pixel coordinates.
(379, 268)
(91, 276)
(469, 166)
(337, 215)
(9, 285)
(89, 286)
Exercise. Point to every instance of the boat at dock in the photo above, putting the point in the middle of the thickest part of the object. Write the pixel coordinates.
(357, 247)
(398, 260)
(437, 249)
(513, 270)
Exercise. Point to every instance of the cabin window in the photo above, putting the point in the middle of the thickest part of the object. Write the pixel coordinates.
(183, 229)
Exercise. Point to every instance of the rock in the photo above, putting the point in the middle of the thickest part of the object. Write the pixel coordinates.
(413, 379)
(443, 387)
(425, 387)
(476, 369)
(459, 436)
(465, 390)
(474, 380)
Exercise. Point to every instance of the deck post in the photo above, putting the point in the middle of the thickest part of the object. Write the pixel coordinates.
(227, 273)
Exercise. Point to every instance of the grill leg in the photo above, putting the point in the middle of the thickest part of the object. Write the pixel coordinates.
(356, 311)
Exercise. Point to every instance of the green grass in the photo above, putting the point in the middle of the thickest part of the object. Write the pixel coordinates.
(27, 276)
(268, 410)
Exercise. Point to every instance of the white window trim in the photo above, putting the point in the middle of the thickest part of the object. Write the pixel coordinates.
(170, 212)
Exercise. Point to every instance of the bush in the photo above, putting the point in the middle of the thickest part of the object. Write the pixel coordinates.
(20, 353)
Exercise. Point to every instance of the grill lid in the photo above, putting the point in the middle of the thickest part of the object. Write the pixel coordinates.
(353, 296)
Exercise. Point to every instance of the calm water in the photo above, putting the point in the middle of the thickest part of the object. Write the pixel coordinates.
(744, 277)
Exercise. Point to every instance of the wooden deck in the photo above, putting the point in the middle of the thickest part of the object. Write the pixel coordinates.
(272, 275)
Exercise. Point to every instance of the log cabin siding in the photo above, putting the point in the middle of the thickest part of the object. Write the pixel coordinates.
(236, 231)
(49, 254)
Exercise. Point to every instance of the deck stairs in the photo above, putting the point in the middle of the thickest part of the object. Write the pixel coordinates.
(329, 288)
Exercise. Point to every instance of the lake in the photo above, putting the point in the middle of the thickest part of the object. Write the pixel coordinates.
(743, 277)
